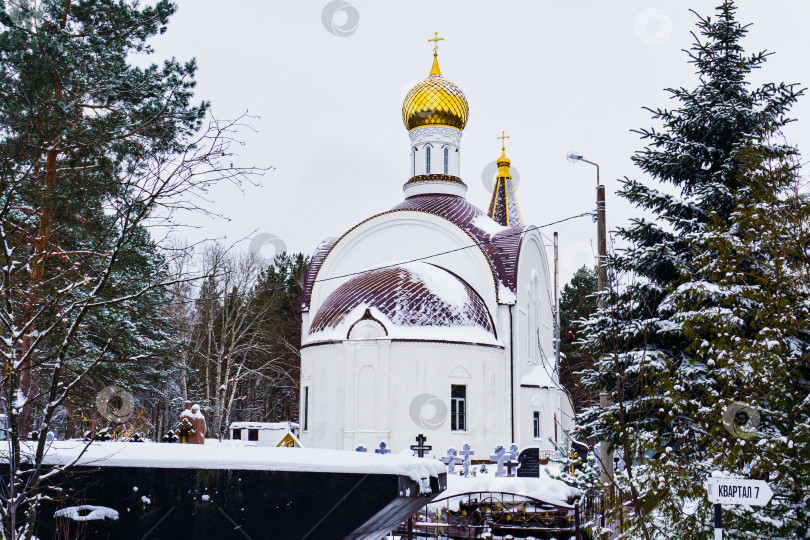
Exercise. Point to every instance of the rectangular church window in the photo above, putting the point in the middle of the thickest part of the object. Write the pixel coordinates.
(458, 407)
(536, 424)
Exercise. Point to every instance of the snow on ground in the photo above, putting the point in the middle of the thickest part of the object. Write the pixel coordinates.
(86, 512)
(544, 488)
(231, 455)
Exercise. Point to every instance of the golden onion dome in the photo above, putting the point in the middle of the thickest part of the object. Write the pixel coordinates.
(503, 165)
(435, 102)
(503, 161)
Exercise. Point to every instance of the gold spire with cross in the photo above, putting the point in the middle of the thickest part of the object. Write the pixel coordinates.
(503, 138)
(436, 39)
(503, 161)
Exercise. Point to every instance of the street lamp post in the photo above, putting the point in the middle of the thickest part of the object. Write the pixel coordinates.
(601, 285)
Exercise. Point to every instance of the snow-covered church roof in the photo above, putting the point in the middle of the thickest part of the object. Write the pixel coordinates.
(500, 245)
(411, 301)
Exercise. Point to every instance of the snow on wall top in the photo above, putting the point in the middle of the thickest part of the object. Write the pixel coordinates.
(500, 245)
(539, 376)
(264, 425)
(222, 455)
(412, 301)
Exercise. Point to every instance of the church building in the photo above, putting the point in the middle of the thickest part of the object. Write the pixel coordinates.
(432, 317)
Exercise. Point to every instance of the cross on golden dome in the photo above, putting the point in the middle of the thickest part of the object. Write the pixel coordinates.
(503, 138)
(436, 39)
(503, 161)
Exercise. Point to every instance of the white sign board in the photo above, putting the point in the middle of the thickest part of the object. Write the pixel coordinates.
(735, 491)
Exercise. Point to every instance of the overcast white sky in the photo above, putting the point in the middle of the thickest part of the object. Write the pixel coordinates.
(557, 76)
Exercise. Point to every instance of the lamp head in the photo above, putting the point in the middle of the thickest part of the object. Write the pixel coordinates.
(573, 157)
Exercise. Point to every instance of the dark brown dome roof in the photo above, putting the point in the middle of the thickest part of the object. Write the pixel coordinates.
(408, 300)
(501, 249)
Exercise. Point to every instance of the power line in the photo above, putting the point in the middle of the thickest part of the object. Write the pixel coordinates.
(477, 244)
(417, 259)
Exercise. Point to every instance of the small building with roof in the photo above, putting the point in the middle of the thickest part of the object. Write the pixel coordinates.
(266, 433)
(432, 317)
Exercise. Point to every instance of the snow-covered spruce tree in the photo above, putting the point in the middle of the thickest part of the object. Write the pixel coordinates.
(577, 302)
(745, 312)
(92, 151)
(713, 310)
(571, 469)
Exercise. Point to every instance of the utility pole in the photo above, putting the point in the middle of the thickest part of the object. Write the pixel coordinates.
(557, 299)
(601, 276)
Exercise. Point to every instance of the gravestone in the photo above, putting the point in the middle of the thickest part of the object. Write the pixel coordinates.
(136, 438)
(451, 459)
(170, 437)
(580, 453)
(382, 450)
(466, 452)
(361, 448)
(420, 448)
(529, 463)
(513, 454)
(499, 457)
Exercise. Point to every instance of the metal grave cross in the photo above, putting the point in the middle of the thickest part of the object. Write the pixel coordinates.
(382, 449)
(466, 451)
(185, 431)
(420, 448)
(451, 459)
(361, 448)
(499, 457)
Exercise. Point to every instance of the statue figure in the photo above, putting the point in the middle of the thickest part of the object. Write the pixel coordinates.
(198, 423)
(186, 412)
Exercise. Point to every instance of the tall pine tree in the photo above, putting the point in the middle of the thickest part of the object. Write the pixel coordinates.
(707, 316)
(92, 150)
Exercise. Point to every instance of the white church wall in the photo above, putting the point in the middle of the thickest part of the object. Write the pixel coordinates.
(533, 326)
(323, 397)
(533, 282)
(545, 401)
(408, 385)
(402, 236)
(304, 325)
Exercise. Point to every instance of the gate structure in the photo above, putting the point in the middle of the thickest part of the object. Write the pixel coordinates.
(486, 514)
